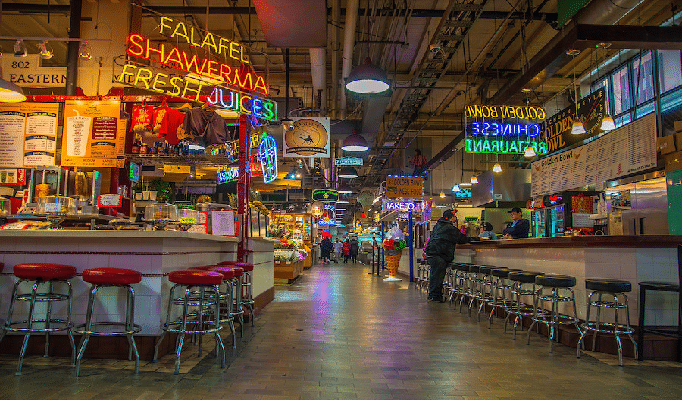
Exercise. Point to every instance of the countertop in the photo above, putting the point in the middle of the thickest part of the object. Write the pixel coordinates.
(113, 234)
(595, 241)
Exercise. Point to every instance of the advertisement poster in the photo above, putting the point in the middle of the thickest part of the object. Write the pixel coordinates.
(309, 137)
(94, 136)
(28, 134)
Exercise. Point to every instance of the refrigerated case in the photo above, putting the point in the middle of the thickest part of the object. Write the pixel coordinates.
(556, 220)
(539, 223)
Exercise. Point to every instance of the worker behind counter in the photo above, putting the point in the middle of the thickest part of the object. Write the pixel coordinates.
(519, 228)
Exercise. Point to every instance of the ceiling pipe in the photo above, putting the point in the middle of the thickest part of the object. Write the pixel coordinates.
(335, 58)
(318, 73)
(347, 51)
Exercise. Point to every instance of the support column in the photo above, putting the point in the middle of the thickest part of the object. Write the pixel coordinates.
(72, 48)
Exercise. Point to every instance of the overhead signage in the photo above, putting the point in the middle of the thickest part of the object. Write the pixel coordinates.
(328, 217)
(94, 136)
(404, 206)
(268, 157)
(404, 187)
(28, 72)
(28, 134)
(227, 174)
(325, 195)
(503, 129)
(349, 161)
(309, 137)
(557, 130)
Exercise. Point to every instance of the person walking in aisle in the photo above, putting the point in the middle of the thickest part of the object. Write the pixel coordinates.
(326, 247)
(346, 250)
(354, 249)
(338, 250)
(440, 251)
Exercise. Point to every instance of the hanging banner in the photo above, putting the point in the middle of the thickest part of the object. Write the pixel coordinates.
(309, 137)
(28, 134)
(93, 134)
(556, 132)
(404, 187)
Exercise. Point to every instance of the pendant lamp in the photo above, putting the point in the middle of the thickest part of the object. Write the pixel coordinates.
(442, 194)
(607, 123)
(456, 188)
(529, 152)
(355, 143)
(10, 92)
(577, 126)
(473, 179)
(497, 168)
(367, 78)
(348, 172)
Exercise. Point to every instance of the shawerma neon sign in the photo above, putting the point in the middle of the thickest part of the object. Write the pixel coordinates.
(196, 66)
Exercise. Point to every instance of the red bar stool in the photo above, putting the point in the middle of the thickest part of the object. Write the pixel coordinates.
(238, 306)
(204, 281)
(41, 274)
(227, 315)
(109, 277)
(246, 286)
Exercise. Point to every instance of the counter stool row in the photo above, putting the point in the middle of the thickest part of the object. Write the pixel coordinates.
(50, 284)
(523, 294)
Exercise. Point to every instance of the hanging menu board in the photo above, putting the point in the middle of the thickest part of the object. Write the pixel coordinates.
(28, 134)
(624, 151)
(94, 136)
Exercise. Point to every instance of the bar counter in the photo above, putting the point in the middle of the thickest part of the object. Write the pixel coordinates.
(631, 258)
(153, 253)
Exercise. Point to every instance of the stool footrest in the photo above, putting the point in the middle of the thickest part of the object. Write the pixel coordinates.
(80, 329)
(166, 327)
(63, 325)
(42, 297)
(606, 328)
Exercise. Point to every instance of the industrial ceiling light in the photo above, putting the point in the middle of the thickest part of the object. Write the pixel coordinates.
(367, 78)
(473, 179)
(456, 188)
(497, 168)
(442, 194)
(83, 52)
(348, 172)
(10, 92)
(45, 54)
(607, 123)
(20, 48)
(344, 189)
(355, 143)
(529, 152)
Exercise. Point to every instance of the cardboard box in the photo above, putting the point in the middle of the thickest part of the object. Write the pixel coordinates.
(678, 126)
(665, 145)
(678, 140)
(673, 161)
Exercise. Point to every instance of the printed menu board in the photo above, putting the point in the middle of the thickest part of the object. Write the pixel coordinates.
(28, 134)
(94, 136)
(626, 150)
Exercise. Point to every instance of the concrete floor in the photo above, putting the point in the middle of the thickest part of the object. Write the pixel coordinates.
(340, 333)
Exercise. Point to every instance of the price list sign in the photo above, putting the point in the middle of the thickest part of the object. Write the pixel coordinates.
(94, 136)
(28, 134)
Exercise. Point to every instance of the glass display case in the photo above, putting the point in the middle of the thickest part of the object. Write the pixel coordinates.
(556, 221)
(539, 223)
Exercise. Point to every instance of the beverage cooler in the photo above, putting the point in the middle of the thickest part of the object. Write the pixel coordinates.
(557, 220)
(539, 222)
(553, 215)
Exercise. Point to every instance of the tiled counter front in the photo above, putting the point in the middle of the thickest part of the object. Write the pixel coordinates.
(633, 259)
(154, 254)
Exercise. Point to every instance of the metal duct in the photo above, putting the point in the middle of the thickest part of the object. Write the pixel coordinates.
(512, 185)
(348, 50)
(318, 72)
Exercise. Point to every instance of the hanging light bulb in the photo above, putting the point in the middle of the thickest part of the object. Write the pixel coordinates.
(473, 179)
(20, 49)
(607, 123)
(442, 194)
(497, 168)
(83, 52)
(529, 152)
(45, 54)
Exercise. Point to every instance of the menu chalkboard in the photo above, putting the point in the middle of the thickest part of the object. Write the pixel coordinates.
(624, 151)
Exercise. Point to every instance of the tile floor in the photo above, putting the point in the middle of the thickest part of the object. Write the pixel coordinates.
(340, 333)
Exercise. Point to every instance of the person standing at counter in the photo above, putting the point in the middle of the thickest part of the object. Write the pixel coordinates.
(440, 251)
(519, 228)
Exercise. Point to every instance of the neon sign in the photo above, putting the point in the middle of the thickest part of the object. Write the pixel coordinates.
(227, 174)
(268, 156)
(513, 112)
(484, 145)
(503, 129)
(406, 206)
(328, 217)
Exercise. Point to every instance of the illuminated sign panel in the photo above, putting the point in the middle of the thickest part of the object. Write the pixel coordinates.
(404, 187)
(325, 195)
(403, 206)
(328, 217)
(503, 129)
(268, 156)
(349, 161)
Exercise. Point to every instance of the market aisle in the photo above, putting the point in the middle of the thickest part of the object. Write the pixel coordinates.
(340, 333)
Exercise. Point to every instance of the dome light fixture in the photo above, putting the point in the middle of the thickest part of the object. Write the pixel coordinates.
(367, 78)
(348, 172)
(607, 123)
(497, 168)
(355, 143)
(529, 152)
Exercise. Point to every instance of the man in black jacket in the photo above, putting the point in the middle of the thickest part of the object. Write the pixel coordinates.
(519, 228)
(440, 251)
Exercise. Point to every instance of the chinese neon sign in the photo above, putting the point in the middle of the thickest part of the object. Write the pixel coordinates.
(268, 156)
(504, 129)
